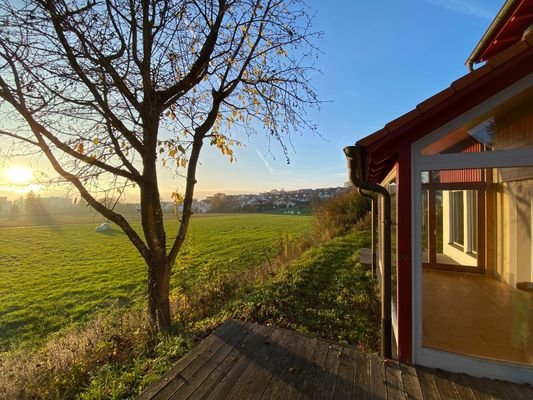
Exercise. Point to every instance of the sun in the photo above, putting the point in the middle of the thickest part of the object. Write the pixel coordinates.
(19, 175)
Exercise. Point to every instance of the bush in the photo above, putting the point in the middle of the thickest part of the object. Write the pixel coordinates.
(114, 355)
(341, 214)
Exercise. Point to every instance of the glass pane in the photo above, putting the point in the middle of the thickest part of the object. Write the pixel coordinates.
(392, 190)
(438, 225)
(507, 126)
(455, 224)
(425, 227)
(489, 314)
(457, 217)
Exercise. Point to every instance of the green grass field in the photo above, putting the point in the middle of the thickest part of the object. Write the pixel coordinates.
(54, 276)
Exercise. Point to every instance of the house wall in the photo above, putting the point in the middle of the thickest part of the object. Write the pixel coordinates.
(513, 226)
(513, 189)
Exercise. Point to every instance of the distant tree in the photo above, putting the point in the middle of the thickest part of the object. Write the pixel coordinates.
(220, 203)
(111, 90)
(33, 204)
(14, 212)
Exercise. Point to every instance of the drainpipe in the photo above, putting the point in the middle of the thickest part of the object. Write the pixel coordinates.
(355, 156)
(373, 229)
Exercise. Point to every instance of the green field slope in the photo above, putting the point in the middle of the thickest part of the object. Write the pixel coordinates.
(53, 276)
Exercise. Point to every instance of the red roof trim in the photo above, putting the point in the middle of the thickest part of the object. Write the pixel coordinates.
(505, 30)
(468, 91)
(510, 32)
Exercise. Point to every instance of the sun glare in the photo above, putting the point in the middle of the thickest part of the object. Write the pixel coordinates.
(19, 175)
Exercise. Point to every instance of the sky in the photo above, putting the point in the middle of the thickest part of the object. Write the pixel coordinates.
(378, 60)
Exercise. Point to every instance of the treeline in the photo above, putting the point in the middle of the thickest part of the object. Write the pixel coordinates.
(33, 205)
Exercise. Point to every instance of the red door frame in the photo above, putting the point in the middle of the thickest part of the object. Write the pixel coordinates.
(403, 256)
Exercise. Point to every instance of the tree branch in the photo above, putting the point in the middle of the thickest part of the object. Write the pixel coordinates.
(199, 68)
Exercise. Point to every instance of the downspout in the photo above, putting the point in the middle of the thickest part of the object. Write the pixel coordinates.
(355, 156)
(373, 228)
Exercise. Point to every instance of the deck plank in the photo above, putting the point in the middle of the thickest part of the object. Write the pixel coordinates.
(501, 391)
(262, 365)
(315, 370)
(227, 329)
(192, 382)
(326, 383)
(246, 354)
(445, 385)
(361, 384)
(521, 392)
(345, 378)
(462, 387)
(378, 386)
(264, 375)
(393, 378)
(283, 374)
(427, 384)
(247, 361)
(296, 382)
(411, 385)
(220, 372)
(479, 388)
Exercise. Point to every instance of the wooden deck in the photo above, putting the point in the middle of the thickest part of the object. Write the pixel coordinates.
(247, 361)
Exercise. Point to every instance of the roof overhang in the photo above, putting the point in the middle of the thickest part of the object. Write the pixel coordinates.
(382, 147)
(507, 29)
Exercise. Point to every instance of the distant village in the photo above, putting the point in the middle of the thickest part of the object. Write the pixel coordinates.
(289, 202)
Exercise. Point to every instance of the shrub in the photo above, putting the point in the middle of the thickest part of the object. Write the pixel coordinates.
(105, 348)
(340, 214)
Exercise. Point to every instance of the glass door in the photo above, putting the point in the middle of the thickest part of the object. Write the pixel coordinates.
(452, 226)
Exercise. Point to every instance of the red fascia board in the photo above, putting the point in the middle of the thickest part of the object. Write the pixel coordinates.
(465, 93)
(511, 31)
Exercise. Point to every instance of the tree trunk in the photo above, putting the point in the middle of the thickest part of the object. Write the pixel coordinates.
(158, 295)
(153, 224)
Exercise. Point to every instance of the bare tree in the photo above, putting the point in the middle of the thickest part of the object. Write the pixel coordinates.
(111, 90)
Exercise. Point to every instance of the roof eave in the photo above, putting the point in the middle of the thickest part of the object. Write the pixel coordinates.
(505, 12)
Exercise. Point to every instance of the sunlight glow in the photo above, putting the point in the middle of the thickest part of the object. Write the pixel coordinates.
(19, 175)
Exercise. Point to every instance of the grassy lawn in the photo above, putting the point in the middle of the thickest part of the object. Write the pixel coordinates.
(251, 267)
(324, 292)
(53, 276)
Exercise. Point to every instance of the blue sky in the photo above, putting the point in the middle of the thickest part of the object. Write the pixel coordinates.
(380, 58)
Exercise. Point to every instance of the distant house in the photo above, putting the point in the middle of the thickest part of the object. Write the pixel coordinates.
(168, 206)
(459, 171)
(202, 206)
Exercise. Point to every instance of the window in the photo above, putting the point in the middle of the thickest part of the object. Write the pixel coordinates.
(457, 218)
(472, 221)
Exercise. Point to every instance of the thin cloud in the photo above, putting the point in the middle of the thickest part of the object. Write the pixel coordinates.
(20, 188)
(267, 165)
(467, 7)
